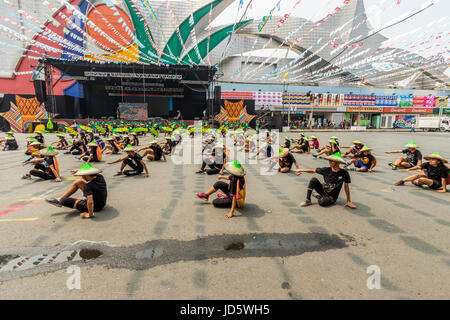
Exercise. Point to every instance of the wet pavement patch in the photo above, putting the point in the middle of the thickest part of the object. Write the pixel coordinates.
(235, 246)
(285, 285)
(162, 252)
(4, 259)
(88, 254)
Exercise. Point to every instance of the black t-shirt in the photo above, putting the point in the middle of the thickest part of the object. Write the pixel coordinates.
(93, 151)
(333, 180)
(335, 148)
(288, 161)
(436, 173)
(83, 147)
(157, 151)
(12, 144)
(137, 158)
(233, 184)
(48, 161)
(39, 138)
(413, 157)
(97, 188)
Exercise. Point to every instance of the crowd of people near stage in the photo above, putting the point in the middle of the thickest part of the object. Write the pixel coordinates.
(123, 143)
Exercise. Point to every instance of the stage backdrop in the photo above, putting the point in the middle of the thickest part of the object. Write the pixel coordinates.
(133, 111)
(178, 87)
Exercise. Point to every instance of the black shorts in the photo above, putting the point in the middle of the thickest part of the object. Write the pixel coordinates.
(70, 202)
(81, 205)
(436, 185)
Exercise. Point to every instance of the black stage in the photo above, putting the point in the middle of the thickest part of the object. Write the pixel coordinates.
(165, 89)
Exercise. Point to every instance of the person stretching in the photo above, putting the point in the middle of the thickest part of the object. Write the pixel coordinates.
(435, 176)
(233, 193)
(93, 186)
(132, 159)
(413, 157)
(334, 177)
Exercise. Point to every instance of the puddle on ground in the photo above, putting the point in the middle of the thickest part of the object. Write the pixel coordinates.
(88, 254)
(235, 246)
(162, 252)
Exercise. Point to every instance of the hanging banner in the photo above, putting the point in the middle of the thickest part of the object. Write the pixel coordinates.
(408, 110)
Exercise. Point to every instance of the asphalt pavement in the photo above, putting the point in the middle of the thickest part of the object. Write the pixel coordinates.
(156, 240)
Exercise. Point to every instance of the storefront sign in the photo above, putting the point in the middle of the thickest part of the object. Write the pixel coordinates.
(408, 110)
(365, 109)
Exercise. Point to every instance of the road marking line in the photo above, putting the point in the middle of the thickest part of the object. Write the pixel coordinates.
(19, 220)
(31, 199)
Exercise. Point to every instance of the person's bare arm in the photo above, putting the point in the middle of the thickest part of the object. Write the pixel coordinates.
(233, 207)
(349, 203)
(395, 151)
(145, 168)
(444, 186)
(90, 205)
(58, 178)
(307, 170)
(118, 160)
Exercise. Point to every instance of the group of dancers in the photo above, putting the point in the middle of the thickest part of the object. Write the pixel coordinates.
(90, 147)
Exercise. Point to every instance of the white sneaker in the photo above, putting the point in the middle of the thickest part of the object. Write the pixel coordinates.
(306, 203)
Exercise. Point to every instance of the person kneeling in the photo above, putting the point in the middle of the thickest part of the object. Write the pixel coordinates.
(234, 192)
(94, 189)
(435, 176)
(134, 160)
(334, 178)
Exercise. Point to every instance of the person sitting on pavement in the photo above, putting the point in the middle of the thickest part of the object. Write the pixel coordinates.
(78, 147)
(94, 154)
(61, 144)
(9, 144)
(233, 193)
(134, 140)
(154, 152)
(93, 186)
(413, 157)
(330, 149)
(285, 161)
(354, 151)
(215, 160)
(45, 167)
(287, 142)
(315, 145)
(133, 160)
(40, 137)
(169, 146)
(435, 174)
(112, 147)
(334, 178)
(303, 145)
(364, 163)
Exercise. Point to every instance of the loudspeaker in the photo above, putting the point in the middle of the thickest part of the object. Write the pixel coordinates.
(217, 95)
(40, 90)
